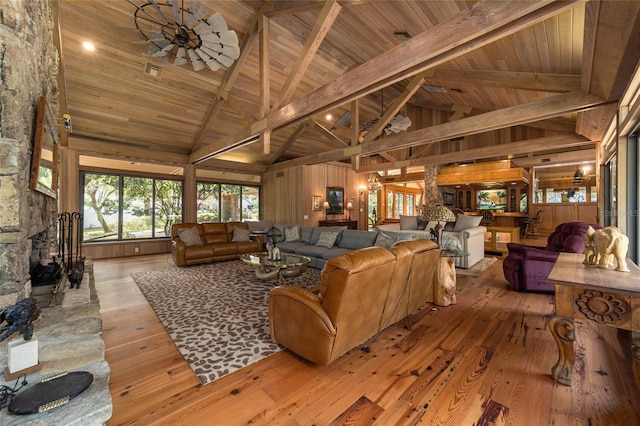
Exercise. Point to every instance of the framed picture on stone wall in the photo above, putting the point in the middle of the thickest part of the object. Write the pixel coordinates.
(44, 158)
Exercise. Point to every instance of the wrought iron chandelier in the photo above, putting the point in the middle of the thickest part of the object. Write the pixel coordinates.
(172, 29)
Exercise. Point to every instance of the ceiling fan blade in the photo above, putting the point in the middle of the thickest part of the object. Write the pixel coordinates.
(151, 40)
(196, 13)
(196, 61)
(224, 37)
(211, 61)
(214, 65)
(156, 46)
(214, 22)
(157, 8)
(175, 9)
(181, 57)
(226, 49)
(223, 59)
(162, 52)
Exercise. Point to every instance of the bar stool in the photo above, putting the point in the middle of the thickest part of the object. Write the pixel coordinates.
(531, 225)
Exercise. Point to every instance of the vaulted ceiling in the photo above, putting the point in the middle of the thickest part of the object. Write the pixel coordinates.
(530, 81)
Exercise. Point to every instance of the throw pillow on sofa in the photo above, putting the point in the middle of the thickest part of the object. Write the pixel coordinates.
(464, 222)
(190, 237)
(408, 223)
(327, 239)
(292, 233)
(240, 235)
(305, 234)
(383, 240)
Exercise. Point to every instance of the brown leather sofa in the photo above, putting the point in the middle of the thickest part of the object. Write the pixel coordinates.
(361, 293)
(216, 243)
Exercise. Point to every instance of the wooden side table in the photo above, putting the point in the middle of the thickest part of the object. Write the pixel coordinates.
(444, 291)
(589, 293)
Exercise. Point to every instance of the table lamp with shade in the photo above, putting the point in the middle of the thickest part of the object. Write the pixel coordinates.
(438, 214)
(349, 208)
(326, 208)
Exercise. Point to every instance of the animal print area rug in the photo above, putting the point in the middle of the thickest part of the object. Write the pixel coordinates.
(477, 269)
(216, 314)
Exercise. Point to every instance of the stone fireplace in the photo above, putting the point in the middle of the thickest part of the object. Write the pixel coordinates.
(28, 69)
(69, 337)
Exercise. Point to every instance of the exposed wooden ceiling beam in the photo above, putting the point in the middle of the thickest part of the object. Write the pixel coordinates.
(472, 29)
(290, 141)
(521, 114)
(125, 151)
(544, 82)
(396, 106)
(328, 134)
(578, 155)
(606, 71)
(514, 148)
(230, 78)
(323, 24)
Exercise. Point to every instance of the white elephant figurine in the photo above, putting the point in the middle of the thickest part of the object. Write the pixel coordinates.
(602, 245)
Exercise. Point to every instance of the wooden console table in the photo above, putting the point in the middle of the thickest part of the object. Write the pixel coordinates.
(588, 293)
(350, 224)
(497, 237)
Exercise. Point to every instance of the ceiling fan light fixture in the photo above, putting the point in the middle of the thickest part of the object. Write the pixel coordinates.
(203, 41)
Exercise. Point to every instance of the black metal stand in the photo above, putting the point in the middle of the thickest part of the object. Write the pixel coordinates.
(70, 239)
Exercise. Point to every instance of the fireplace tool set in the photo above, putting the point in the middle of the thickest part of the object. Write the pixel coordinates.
(70, 246)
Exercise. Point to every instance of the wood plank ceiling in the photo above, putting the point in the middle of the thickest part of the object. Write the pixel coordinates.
(477, 79)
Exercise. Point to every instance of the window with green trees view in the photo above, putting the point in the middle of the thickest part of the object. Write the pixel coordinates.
(220, 202)
(120, 207)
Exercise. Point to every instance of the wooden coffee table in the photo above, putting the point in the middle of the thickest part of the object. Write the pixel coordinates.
(289, 265)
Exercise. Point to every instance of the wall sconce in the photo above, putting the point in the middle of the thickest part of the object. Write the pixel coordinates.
(362, 188)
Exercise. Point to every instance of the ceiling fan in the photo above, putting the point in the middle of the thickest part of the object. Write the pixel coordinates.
(172, 29)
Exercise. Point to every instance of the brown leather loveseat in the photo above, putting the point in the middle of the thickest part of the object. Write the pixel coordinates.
(211, 242)
(361, 293)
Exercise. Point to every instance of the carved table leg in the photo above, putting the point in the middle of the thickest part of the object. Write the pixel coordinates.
(444, 292)
(562, 329)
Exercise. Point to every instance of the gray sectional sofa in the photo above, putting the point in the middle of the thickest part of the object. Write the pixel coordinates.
(322, 243)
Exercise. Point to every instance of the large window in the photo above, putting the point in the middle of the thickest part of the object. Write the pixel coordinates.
(120, 207)
(218, 202)
(401, 200)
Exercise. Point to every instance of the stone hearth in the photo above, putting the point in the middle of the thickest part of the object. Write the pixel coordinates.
(70, 339)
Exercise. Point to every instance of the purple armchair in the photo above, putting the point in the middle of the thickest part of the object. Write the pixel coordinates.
(527, 267)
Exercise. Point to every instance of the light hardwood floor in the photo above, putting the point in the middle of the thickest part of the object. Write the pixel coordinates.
(485, 360)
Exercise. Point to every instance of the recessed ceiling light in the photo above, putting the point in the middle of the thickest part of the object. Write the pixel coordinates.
(328, 117)
(88, 46)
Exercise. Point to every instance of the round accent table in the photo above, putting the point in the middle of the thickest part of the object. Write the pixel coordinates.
(289, 265)
(445, 289)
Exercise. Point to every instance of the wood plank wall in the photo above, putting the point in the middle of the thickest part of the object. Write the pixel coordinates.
(287, 194)
(557, 213)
